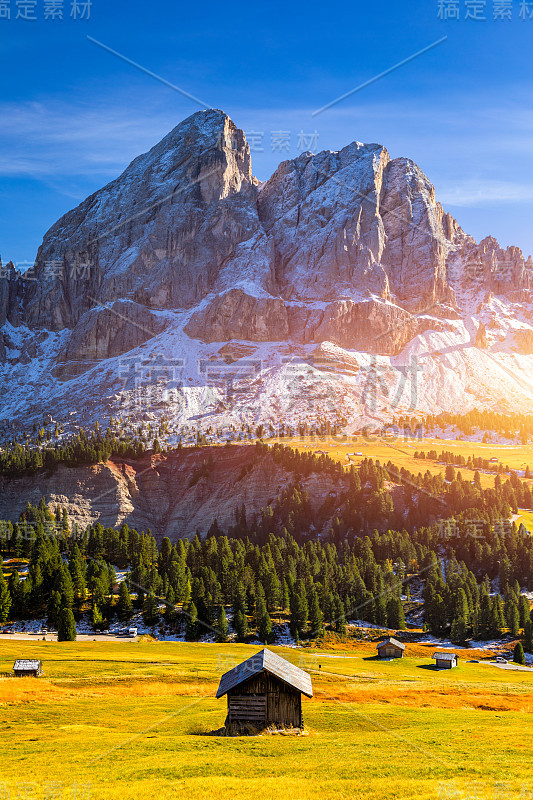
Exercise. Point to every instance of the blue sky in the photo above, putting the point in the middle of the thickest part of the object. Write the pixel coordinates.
(72, 115)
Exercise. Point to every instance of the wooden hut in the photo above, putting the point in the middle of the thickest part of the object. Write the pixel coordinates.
(265, 690)
(24, 668)
(390, 648)
(445, 660)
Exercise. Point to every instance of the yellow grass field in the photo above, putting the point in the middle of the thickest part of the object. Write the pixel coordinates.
(131, 719)
(401, 452)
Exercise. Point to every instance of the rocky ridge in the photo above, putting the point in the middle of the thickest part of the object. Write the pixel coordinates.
(163, 493)
(186, 253)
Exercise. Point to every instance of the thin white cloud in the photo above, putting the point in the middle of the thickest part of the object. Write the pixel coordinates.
(39, 139)
(467, 157)
(42, 141)
(481, 193)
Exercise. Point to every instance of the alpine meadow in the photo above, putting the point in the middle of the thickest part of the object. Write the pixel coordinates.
(266, 401)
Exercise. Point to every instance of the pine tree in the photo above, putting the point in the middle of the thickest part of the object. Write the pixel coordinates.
(458, 630)
(528, 636)
(150, 610)
(54, 609)
(191, 625)
(239, 598)
(449, 473)
(395, 614)
(206, 610)
(77, 572)
(272, 590)
(14, 586)
(461, 609)
(484, 613)
(64, 586)
(496, 622)
(222, 625)
(5, 597)
(170, 596)
(185, 591)
(435, 611)
(298, 608)
(518, 654)
(523, 610)
(124, 606)
(316, 617)
(66, 629)
(264, 628)
(380, 604)
(513, 618)
(240, 625)
(260, 602)
(96, 616)
(284, 598)
(262, 617)
(340, 616)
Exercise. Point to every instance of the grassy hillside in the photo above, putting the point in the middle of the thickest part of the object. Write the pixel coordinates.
(130, 720)
(402, 452)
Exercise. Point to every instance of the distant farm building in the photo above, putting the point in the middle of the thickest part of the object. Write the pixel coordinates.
(27, 669)
(445, 660)
(265, 690)
(390, 648)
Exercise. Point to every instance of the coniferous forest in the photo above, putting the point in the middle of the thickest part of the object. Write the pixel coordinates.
(442, 553)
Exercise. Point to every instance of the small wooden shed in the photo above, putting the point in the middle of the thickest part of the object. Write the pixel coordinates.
(390, 648)
(24, 668)
(265, 690)
(445, 660)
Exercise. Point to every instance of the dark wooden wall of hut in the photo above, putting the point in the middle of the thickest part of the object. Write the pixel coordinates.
(390, 651)
(444, 664)
(265, 700)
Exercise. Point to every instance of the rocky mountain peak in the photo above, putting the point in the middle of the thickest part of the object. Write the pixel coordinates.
(157, 234)
(338, 251)
(213, 140)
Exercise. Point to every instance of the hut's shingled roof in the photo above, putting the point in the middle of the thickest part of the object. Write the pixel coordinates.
(23, 664)
(272, 663)
(390, 640)
(444, 656)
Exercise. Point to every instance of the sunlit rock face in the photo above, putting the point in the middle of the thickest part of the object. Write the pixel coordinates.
(187, 250)
(187, 220)
(156, 492)
(159, 234)
(236, 315)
